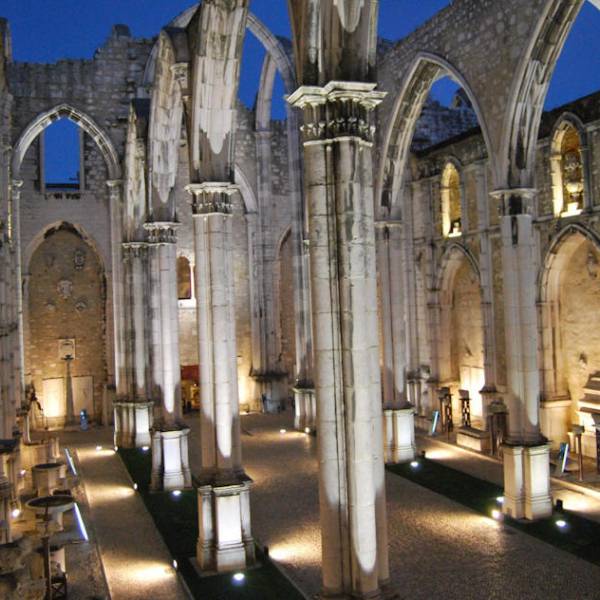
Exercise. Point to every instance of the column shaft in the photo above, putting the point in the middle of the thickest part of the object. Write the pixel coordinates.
(339, 193)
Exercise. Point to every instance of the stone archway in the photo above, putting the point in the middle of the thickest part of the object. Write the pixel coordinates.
(569, 302)
(66, 315)
(461, 335)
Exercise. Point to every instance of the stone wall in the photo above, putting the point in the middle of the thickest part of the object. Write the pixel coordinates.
(66, 300)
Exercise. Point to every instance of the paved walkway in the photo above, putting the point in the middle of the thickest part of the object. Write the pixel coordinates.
(136, 562)
(438, 548)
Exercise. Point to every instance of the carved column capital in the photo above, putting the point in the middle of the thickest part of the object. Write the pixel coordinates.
(162, 232)
(134, 249)
(515, 201)
(339, 109)
(211, 197)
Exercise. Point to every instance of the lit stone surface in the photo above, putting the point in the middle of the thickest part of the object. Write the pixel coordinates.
(437, 547)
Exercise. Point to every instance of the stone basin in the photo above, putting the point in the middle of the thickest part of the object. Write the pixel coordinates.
(47, 477)
(55, 505)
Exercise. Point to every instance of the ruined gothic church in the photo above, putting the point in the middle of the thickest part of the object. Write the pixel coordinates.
(376, 262)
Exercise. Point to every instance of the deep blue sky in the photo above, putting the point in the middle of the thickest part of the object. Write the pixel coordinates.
(48, 30)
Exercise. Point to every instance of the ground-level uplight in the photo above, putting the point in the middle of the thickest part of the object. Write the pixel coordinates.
(98, 448)
(238, 577)
(145, 448)
(307, 430)
(561, 523)
(135, 486)
(283, 431)
(496, 514)
(80, 523)
(175, 565)
(500, 499)
(176, 493)
(414, 464)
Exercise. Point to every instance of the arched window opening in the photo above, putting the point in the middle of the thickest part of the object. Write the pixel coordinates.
(569, 200)
(60, 162)
(451, 202)
(184, 279)
(253, 55)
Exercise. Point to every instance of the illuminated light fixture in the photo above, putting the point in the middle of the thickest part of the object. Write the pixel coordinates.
(80, 523)
(176, 493)
(70, 461)
(307, 430)
(500, 499)
(145, 448)
(98, 448)
(175, 565)
(414, 464)
(116, 448)
(22, 472)
(239, 577)
(135, 486)
(283, 431)
(561, 523)
(15, 513)
(496, 514)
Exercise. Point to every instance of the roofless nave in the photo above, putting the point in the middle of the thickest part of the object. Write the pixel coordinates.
(384, 262)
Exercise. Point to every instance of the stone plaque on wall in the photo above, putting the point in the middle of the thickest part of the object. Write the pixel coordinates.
(66, 348)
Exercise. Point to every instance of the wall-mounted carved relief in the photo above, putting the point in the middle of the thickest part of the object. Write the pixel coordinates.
(65, 288)
(79, 259)
(81, 304)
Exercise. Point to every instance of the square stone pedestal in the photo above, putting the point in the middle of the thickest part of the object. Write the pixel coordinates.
(225, 540)
(473, 438)
(170, 462)
(305, 409)
(132, 424)
(400, 435)
(527, 482)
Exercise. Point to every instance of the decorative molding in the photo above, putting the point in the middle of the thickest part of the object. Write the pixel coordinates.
(162, 232)
(340, 109)
(211, 197)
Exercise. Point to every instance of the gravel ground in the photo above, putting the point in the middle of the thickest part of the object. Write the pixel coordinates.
(438, 548)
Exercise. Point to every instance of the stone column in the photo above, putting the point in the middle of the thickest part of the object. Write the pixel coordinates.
(339, 192)
(133, 415)
(116, 238)
(399, 413)
(170, 465)
(224, 542)
(268, 373)
(18, 345)
(526, 453)
(486, 266)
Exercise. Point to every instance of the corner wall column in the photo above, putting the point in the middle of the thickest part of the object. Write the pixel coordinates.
(527, 453)
(339, 192)
(225, 541)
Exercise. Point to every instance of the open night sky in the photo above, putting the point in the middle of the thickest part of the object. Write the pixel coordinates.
(46, 31)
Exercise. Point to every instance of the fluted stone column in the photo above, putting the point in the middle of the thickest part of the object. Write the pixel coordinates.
(133, 415)
(225, 541)
(526, 453)
(399, 413)
(170, 465)
(339, 192)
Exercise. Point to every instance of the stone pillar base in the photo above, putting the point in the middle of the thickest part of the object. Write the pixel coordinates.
(225, 541)
(170, 462)
(527, 482)
(305, 404)
(132, 424)
(400, 435)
